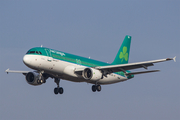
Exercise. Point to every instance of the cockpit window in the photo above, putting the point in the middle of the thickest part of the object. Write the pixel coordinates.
(34, 52)
(31, 52)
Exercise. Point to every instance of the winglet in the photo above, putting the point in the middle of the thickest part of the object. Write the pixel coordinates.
(174, 59)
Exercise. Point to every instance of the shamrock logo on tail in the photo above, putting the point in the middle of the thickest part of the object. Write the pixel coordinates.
(124, 55)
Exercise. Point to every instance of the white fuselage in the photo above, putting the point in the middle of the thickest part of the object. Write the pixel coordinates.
(65, 70)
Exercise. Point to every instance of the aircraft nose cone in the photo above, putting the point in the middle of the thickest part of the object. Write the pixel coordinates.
(26, 60)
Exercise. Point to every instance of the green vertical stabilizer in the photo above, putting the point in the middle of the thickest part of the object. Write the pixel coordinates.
(122, 56)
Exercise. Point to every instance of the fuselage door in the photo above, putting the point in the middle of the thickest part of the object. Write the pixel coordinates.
(49, 57)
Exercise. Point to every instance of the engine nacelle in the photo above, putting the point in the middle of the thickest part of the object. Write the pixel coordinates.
(33, 77)
(91, 74)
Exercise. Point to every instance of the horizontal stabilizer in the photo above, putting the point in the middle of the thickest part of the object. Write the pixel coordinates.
(134, 73)
(14, 71)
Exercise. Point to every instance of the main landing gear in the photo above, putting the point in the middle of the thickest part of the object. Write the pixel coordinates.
(58, 89)
(96, 88)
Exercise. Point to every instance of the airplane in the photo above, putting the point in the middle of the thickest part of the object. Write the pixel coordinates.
(50, 63)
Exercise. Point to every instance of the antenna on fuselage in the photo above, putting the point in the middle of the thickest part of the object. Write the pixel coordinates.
(41, 45)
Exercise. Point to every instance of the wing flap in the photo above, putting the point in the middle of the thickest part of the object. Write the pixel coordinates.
(142, 72)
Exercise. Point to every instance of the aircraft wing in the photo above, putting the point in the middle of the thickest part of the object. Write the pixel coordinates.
(130, 66)
(15, 71)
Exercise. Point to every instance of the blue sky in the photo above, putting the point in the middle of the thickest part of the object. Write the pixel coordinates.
(94, 28)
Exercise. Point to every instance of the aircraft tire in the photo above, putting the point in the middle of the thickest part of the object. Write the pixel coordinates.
(38, 81)
(44, 81)
(41, 81)
(98, 88)
(60, 90)
(56, 91)
(94, 88)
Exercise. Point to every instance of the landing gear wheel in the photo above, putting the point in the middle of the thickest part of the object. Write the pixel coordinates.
(56, 91)
(44, 81)
(41, 81)
(38, 81)
(94, 88)
(60, 90)
(98, 88)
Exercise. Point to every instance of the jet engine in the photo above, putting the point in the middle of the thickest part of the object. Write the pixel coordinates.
(92, 74)
(32, 78)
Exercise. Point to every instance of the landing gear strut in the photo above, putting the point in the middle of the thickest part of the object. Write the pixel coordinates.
(96, 88)
(58, 89)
